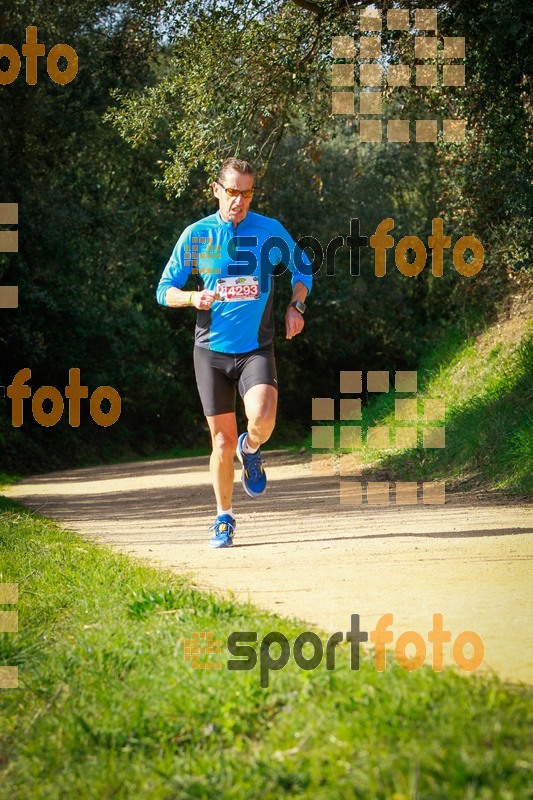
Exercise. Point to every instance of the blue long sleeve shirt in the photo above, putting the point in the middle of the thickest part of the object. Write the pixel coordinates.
(220, 253)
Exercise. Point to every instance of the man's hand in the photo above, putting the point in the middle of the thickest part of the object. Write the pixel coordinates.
(294, 322)
(203, 300)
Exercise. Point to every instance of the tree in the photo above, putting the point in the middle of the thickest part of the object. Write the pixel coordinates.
(94, 234)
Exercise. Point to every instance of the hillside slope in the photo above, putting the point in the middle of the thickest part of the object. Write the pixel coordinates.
(487, 386)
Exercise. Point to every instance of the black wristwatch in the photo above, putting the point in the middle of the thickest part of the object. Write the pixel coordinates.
(298, 305)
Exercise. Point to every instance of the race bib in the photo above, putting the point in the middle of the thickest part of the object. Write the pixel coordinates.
(234, 290)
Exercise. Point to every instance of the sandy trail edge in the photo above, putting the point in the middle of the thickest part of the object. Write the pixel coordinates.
(300, 553)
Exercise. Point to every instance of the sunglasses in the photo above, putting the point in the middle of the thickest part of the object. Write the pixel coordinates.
(236, 192)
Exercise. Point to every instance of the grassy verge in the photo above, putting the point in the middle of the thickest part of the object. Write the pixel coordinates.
(108, 708)
(488, 393)
(488, 422)
(7, 480)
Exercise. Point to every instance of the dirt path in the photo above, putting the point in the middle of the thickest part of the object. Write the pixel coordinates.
(300, 553)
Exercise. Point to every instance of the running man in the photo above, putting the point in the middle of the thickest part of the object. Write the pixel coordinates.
(233, 253)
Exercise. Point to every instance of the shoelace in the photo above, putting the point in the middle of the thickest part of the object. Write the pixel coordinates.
(216, 525)
(254, 466)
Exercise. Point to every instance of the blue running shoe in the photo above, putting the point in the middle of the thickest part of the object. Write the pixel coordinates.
(223, 531)
(254, 479)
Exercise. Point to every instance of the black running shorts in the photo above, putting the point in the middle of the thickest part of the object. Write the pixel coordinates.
(218, 375)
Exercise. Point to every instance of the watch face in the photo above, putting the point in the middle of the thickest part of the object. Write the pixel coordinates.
(299, 306)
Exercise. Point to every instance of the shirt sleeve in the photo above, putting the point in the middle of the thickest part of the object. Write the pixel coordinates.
(178, 268)
(299, 265)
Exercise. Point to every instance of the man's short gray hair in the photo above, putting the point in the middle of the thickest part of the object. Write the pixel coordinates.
(238, 165)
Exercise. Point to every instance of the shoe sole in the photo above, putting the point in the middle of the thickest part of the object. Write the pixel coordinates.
(220, 546)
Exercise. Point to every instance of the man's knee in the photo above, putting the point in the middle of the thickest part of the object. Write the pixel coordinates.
(262, 425)
(224, 444)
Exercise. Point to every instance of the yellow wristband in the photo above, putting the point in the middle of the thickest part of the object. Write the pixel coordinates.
(189, 301)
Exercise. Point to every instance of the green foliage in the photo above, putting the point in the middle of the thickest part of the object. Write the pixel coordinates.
(489, 420)
(487, 182)
(236, 74)
(94, 235)
(165, 90)
(357, 321)
(108, 707)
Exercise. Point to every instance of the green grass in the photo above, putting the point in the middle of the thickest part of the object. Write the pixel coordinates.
(108, 708)
(488, 419)
(7, 480)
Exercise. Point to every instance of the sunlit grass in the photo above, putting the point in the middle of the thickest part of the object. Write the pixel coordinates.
(488, 396)
(108, 707)
(488, 421)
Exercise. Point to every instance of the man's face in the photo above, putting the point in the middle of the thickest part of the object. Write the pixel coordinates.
(233, 209)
